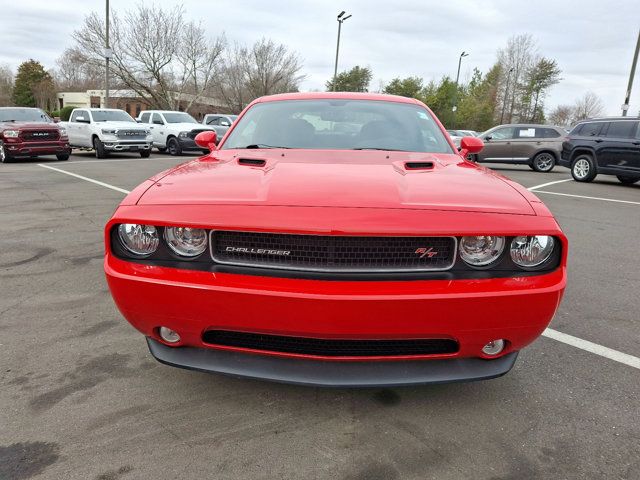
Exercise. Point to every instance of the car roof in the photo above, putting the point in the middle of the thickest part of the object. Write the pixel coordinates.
(608, 119)
(336, 95)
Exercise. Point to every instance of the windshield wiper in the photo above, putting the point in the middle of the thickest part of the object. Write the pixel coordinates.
(262, 145)
(378, 148)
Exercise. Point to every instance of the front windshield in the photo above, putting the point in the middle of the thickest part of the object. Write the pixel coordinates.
(24, 115)
(111, 116)
(336, 124)
(179, 117)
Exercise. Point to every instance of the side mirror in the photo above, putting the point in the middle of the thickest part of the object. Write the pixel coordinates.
(138, 120)
(158, 122)
(487, 138)
(470, 145)
(207, 139)
(224, 123)
(82, 120)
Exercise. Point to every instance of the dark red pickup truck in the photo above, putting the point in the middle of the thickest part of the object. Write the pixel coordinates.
(28, 133)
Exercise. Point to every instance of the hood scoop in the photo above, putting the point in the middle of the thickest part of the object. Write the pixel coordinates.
(418, 165)
(252, 162)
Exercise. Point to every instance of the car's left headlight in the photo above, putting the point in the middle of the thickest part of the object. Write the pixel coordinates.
(63, 132)
(481, 250)
(531, 251)
(183, 134)
(140, 240)
(186, 241)
(11, 133)
(109, 131)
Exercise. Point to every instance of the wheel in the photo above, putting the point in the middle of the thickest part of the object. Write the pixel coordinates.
(62, 156)
(4, 155)
(583, 168)
(145, 153)
(162, 149)
(472, 157)
(98, 146)
(543, 162)
(174, 146)
(628, 180)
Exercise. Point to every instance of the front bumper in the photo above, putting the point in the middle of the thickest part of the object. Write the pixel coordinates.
(126, 146)
(331, 374)
(32, 149)
(188, 144)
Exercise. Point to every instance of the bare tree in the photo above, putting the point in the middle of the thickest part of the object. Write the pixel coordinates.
(264, 69)
(44, 94)
(76, 72)
(561, 115)
(156, 53)
(588, 106)
(6, 86)
(515, 61)
(272, 69)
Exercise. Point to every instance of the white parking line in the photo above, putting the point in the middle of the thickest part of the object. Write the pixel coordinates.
(588, 198)
(593, 348)
(586, 345)
(549, 183)
(86, 179)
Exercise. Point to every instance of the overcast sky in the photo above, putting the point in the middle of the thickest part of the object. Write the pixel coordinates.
(592, 40)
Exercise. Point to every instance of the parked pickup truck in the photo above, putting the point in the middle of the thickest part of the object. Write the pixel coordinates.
(29, 133)
(173, 131)
(107, 130)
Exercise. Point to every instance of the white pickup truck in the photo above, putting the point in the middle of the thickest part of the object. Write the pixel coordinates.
(107, 130)
(173, 131)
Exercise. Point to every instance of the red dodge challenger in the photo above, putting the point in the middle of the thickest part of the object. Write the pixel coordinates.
(336, 239)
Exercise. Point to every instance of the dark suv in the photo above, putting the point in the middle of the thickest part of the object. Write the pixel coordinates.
(28, 133)
(535, 145)
(610, 146)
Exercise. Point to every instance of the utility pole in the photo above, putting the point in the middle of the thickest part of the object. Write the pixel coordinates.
(341, 18)
(506, 95)
(107, 56)
(455, 94)
(625, 105)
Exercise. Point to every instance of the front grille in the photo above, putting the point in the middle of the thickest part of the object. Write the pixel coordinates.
(330, 253)
(40, 135)
(130, 134)
(192, 134)
(330, 348)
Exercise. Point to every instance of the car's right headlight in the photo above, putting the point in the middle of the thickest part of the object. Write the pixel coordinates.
(481, 250)
(11, 133)
(186, 241)
(531, 251)
(183, 134)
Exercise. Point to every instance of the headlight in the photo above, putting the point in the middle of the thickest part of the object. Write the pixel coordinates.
(63, 132)
(186, 241)
(481, 250)
(183, 134)
(11, 133)
(139, 239)
(109, 131)
(529, 252)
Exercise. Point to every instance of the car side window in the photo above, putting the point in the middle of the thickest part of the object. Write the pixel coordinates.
(502, 134)
(591, 129)
(624, 129)
(213, 121)
(74, 115)
(547, 133)
(157, 119)
(144, 118)
(526, 132)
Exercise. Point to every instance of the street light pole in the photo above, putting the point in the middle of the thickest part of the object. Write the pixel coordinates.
(107, 57)
(506, 95)
(341, 18)
(625, 105)
(455, 94)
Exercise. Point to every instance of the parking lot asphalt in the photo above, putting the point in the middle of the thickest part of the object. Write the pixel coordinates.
(82, 398)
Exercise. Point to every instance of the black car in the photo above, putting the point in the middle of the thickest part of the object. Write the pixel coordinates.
(610, 146)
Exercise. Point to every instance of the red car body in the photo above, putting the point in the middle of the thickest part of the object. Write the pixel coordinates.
(341, 193)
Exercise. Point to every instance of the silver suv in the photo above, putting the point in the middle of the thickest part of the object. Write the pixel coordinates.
(538, 146)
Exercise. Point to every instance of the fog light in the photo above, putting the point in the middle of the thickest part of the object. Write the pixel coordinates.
(494, 347)
(169, 335)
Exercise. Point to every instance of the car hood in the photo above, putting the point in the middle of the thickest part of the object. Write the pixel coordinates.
(313, 178)
(28, 125)
(186, 126)
(127, 125)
